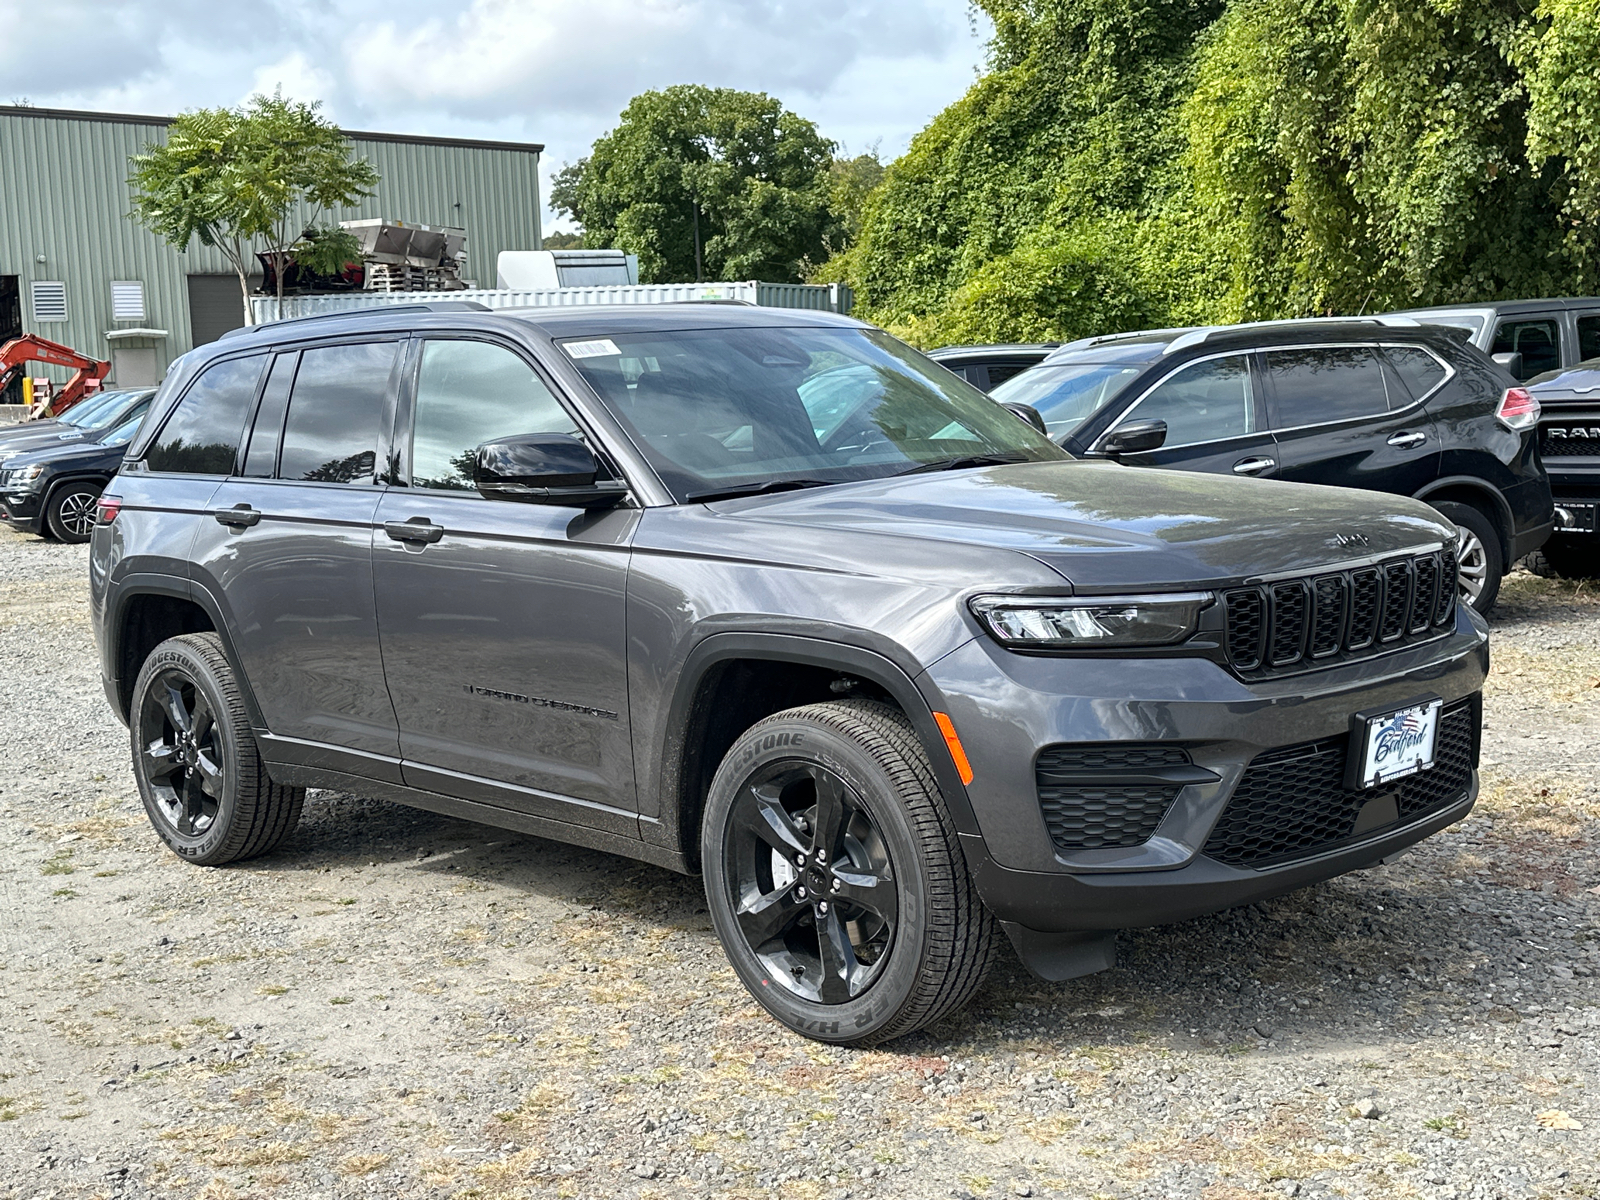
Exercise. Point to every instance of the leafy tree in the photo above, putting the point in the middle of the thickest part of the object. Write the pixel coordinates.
(707, 183)
(850, 182)
(326, 251)
(563, 241)
(230, 177)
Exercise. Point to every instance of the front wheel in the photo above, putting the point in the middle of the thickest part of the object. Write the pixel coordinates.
(69, 513)
(195, 759)
(835, 879)
(1567, 556)
(1480, 563)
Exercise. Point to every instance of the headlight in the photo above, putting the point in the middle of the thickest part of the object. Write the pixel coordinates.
(22, 475)
(1090, 622)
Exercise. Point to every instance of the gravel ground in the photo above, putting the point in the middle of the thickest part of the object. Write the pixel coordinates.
(398, 1004)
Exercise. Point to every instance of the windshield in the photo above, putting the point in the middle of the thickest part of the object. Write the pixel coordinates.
(122, 433)
(720, 409)
(95, 411)
(1068, 394)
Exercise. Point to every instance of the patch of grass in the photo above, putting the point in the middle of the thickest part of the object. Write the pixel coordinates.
(347, 900)
(362, 1164)
(272, 989)
(65, 894)
(342, 1000)
(58, 864)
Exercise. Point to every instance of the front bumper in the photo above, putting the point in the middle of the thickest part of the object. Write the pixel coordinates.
(21, 510)
(1008, 707)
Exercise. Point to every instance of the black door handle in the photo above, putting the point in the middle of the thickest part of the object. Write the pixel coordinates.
(418, 529)
(240, 515)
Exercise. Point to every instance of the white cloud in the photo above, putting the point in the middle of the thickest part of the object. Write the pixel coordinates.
(549, 71)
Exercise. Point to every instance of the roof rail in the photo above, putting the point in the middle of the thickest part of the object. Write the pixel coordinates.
(375, 310)
(1198, 336)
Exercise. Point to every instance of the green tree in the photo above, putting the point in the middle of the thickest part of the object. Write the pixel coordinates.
(706, 183)
(232, 177)
(563, 241)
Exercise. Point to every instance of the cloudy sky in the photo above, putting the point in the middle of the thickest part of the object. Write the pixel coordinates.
(548, 71)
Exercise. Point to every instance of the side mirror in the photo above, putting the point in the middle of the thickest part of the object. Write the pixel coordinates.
(1030, 414)
(1136, 436)
(1511, 360)
(543, 468)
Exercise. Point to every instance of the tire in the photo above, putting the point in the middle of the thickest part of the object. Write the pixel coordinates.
(1482, 562)
(908, 938)
(196, 760)
(1567, 556)
(69, 512)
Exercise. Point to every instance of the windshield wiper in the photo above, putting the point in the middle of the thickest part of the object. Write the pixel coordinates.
(756, 489)
(966, 460)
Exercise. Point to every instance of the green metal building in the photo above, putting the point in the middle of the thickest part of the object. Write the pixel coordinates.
(75, 269)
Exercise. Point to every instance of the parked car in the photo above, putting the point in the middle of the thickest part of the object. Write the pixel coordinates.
(987, 367)
(1569, 443)
(1527, 337)
(83, 421)
(769, 595)
(52, 490)
(1386, 404)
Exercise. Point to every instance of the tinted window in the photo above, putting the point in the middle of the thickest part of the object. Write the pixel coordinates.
(261, 460)
(1588, 338)
(1207, 402)
(201, 437)
(469, 393)
(1536, 341)
(1420, 371)
(1318, 385)
(1069, 394)
(331, 435)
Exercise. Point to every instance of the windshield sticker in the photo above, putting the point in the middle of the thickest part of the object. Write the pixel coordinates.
(599, 348)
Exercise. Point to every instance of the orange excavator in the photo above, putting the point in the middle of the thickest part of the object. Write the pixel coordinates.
(87, 372)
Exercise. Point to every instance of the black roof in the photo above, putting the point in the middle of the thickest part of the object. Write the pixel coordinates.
(1143, 345)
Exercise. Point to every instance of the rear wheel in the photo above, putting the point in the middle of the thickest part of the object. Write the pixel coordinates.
(69, 512)
(835, 879)
(195, 758)
(1480, 564)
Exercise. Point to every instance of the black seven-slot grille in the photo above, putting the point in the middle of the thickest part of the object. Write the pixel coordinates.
(1292, 802)
(1099, 796)
(1298, 624)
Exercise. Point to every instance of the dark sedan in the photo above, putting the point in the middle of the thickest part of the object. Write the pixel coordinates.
(52, 491)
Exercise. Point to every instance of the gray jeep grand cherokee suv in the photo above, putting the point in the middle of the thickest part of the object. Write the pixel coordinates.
(770, 596)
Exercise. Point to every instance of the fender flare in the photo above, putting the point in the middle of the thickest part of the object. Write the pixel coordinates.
(919, 701)
(1503, 519)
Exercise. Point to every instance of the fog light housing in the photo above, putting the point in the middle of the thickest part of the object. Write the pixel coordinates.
(1090, 622)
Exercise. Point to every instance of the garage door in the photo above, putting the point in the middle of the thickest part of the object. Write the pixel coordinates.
(214, 305)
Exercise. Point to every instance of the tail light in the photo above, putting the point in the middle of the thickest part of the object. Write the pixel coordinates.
(106, 509)
(1517, 410)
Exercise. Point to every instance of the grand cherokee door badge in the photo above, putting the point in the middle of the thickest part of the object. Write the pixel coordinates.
(538, 701)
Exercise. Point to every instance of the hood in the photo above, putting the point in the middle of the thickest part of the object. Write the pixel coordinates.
(86, 452)
(37, 435)
(1107, 527)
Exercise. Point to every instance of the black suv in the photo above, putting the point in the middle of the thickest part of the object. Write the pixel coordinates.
(52, 490)
(1569, 442)
(1386, 404)
(771, 596)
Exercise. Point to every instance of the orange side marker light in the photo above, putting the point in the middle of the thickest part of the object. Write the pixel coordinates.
(957, 754)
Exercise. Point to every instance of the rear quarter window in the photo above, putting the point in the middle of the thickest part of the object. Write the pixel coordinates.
(202, 435)
(1420, 371)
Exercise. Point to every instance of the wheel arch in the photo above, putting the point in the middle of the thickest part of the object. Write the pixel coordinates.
(98, 478)
(695, 741)
(1479, 494)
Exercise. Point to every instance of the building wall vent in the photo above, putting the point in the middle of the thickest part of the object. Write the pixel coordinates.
(127, 300)
(49, 301)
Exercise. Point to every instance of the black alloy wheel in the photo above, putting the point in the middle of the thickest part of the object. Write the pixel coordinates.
(182, 757)
(814, 889)
(835, 878)
(205, 789)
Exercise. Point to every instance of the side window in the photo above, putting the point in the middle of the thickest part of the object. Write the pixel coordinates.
(1588, 337)
(1420, 371)
(1536, 341)
(261, 459)
(337, 404)
(469, 393)
(202, 435)
(1207, 402)
(1323, 384)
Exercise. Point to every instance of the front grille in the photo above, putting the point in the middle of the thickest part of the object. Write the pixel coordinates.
(1292, 802)
(1296, 624)
(1103, 796)
(1569, 447)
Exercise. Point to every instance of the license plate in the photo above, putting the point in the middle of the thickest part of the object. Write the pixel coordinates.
(1395, 743)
